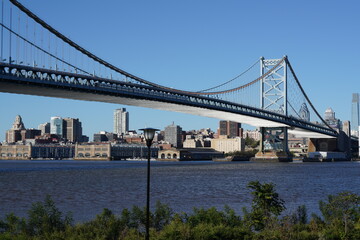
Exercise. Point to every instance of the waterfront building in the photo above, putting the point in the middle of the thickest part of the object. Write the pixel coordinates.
(121, 121)
(189, 154)
(36, 151)
(196, 142)
(355, 116)
(44, 128)
(72, 130)
(52, 151)
(229, 128)
(226, 145)
(15, 152)
(173, 135)
(192, 143)
(132, 151)
(56, 126)
(109, 151)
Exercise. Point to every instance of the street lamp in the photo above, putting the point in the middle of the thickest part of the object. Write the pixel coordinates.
(149, 134)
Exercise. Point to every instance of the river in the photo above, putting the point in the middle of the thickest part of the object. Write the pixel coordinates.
(85, 187)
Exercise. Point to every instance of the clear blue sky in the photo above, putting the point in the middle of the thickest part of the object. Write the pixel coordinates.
(196, 44)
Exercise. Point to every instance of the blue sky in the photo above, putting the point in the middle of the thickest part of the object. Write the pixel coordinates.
(197, 44)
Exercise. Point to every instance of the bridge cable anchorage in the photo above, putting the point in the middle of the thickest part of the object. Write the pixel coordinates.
(305, 95)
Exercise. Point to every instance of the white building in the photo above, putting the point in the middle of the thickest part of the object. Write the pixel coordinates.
(121, 121)
(226, 145)
(254, 134)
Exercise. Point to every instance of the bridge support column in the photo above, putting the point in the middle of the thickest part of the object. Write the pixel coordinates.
(330, 149)
(273, 146)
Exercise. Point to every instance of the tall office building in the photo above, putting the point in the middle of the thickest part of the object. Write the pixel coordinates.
(173, 135)
(121, 121)
(355, 121)
(56, 126)
(330, 118)
(72, 129)
(229, 128)
(44, 128)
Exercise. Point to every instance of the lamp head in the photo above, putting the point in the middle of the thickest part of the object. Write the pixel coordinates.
(149, 134)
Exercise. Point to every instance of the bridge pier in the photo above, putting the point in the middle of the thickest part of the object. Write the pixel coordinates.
(273, 145)
(330, 149)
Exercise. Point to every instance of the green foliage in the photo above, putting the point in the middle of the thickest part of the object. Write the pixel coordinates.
(13, 225)
(176, 230)
(300, 215)
(266, 204)
(250, 142)
(162, 216)
(341, 212)
(341, 220)
(250, 153)
(44, 218)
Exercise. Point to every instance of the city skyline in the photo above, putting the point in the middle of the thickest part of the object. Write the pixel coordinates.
(212, 44)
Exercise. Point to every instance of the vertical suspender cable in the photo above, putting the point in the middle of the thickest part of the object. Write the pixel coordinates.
(49, 59)
(18, 42)
(10, 33)
(2, 29)
(33, 53)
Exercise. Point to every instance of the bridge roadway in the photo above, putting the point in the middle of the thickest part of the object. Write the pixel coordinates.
(51, 83)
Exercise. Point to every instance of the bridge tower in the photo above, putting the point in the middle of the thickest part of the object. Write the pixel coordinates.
(273, 97)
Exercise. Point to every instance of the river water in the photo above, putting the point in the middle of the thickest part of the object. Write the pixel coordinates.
(85, 188)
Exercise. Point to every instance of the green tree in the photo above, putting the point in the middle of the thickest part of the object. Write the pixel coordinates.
(341, 212)
(250, 142)
(45, 218)
(13, 225)
(266, 204)
(162, 215)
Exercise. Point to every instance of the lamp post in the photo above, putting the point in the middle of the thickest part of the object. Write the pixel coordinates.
(149, 134)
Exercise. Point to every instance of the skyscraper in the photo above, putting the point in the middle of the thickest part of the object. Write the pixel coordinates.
(330, 118)
(173, 135)
(229, 128)
(44, 128)
(355, 122)
(121, 121)
(72, 129)
(56, 126)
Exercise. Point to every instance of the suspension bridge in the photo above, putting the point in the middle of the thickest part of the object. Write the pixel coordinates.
(36, 59)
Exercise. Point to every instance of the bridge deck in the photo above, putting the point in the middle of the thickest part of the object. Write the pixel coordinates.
(200, 111)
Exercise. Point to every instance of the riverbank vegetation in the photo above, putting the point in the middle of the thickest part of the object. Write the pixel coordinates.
(245, 154)
(340, 219)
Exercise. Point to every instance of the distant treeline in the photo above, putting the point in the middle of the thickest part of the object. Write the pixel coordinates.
(340, 220)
